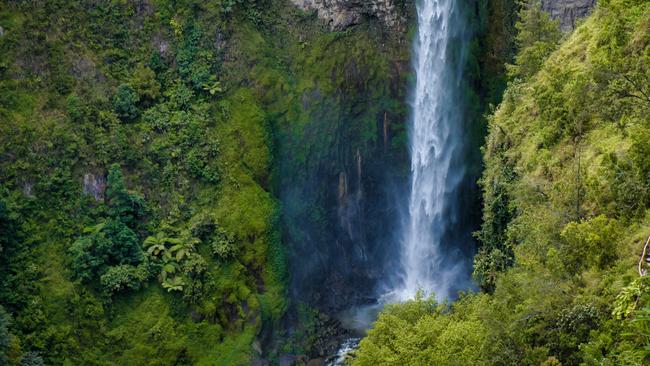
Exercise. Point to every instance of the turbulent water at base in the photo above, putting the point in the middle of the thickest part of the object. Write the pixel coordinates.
(433, 232)
(348, 346)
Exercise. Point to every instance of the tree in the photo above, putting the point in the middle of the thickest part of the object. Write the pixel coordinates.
(223, 244)
(113, 242)
(123, 277)
(538, 35)
(591, 242)
(123, 205)
(31, 359)
(8, 230)
(170, 258)
(145, 84)
(124, 245)
(418, 332)
(5, 336)
(125, 103)
(107, 244)
(84, 260)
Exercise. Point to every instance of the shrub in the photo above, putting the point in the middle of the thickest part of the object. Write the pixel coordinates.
(75, 108)
(123, 277)
(591, 242)
(200, 161)
(223, 244)
(179, 95)
(107, 244)
(628, 299)
(195, 270)
(7, 226)
(623, 190)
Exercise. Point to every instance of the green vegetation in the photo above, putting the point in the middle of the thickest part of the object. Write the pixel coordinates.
(144, 145)
(565, 211)
(140, 165)
(89, 95)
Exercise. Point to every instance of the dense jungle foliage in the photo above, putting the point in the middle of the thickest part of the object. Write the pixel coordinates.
(566, 210)
(139, 219)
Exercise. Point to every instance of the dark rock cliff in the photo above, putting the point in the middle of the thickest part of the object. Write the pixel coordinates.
(340, 14)
(568, 12)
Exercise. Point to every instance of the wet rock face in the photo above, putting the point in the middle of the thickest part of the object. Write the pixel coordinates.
(340, 14)
(28, 189)
(162, 45)
(568, 12)
(94, 185)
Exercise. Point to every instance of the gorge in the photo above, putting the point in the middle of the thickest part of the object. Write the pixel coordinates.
(309, 182)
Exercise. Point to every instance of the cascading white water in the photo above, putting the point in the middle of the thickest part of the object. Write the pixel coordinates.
(434, 232)
(436, 144)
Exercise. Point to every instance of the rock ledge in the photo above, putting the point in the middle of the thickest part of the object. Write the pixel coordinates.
(341, 14)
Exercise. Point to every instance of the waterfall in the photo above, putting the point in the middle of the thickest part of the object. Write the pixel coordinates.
(436, 240)
(433, 231)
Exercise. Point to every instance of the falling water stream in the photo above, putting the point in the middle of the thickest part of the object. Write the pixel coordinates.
(433, 231)
(430, 260)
